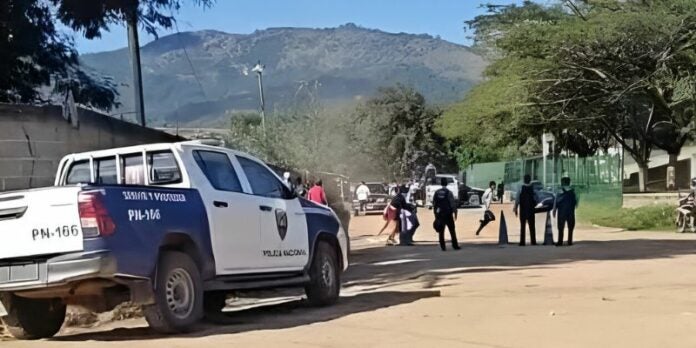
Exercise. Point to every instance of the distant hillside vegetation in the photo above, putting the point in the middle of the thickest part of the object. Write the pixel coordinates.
(349, 62)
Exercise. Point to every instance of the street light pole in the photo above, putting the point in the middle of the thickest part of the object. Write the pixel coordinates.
(258, 69)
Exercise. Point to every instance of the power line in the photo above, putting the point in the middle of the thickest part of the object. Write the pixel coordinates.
(195, 75)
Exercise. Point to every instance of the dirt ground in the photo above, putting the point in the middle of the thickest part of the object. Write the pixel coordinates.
(611, 289)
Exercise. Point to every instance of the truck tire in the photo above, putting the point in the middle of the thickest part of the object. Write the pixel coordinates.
(324, 276)
(178, 294)
(32, 319)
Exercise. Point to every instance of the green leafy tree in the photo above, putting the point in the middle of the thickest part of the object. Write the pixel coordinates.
(396, 129)
(591, 72)
(35, 55)
(92, 18)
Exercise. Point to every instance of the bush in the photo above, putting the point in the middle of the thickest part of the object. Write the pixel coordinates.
(653, 217)
(601, 205)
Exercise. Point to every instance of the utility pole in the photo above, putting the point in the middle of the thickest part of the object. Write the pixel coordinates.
(258, 69)
(134, 48)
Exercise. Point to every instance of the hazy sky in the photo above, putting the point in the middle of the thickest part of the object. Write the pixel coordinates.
(435, 17)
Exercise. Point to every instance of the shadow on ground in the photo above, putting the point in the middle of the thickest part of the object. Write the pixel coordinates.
(376, 272)
(280, 316)
(383, 267)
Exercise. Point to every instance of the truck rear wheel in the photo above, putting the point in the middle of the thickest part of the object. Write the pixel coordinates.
(324, 276)
(32, 319)
(178, 294)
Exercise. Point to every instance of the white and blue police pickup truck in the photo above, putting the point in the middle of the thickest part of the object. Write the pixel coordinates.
(172, 227)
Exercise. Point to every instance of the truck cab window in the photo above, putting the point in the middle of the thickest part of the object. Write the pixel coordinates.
(133, 173)
(79, 173)
(163, 168)
(106, 171)
(218, 169)
(262, 181)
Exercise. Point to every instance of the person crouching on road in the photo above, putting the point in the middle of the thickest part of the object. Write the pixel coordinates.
(408, 225)
(565, 210)
(363, 193)
(316, 194)
(488, 215)
(526, 202)
(445, 209)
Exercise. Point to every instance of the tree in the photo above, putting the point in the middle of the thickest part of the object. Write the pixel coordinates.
(591, 72)
(35, 55)
(631, 70)
(93, 17)
(396, 129)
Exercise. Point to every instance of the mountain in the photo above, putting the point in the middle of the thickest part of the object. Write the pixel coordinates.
(349, 62)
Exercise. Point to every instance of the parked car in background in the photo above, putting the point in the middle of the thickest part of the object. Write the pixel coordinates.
(545, 198)
(470, 197)
(435, 184)
(377, 201)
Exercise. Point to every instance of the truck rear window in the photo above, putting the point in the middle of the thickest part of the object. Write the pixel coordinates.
(163, 168)
(106, 171)
(133, 172)
(79, 173)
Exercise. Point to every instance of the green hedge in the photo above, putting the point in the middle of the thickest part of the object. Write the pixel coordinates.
(601, 205)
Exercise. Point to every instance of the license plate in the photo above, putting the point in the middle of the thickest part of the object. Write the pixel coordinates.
(370, 206)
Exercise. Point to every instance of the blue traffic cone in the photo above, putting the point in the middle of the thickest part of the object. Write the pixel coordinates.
(548, 230)
(502, 231)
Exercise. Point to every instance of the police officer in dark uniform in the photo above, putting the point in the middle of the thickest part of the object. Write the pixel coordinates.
(445, 209)
(526, 202)
(565, 210)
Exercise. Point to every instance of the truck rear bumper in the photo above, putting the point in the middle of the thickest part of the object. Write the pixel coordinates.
(56, 271)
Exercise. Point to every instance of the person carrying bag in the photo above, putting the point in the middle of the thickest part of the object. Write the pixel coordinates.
(488, 215)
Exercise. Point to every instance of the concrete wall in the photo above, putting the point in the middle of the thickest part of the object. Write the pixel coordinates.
(33, 139)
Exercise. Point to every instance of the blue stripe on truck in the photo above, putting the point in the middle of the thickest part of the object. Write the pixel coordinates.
(320, 219)
(144, 217)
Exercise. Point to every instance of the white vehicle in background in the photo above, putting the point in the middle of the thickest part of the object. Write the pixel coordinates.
(435, 184)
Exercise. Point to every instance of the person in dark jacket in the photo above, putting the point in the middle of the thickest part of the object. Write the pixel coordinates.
(394, 213)
(565, 210)
(501, 192)
(300, 188)
(526, 202)
(445, 209)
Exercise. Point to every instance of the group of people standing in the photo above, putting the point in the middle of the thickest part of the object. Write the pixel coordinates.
(445, 210)
(563, 210)
(315, 193)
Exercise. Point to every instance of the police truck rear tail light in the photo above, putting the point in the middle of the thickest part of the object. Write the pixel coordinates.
(94, 217)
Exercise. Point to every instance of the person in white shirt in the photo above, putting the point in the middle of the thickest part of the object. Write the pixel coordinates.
(288, 182)
(411, 195)
(363, 193)
(487, 200)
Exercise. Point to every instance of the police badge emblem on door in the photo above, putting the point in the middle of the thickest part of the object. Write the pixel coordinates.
(282, 223)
